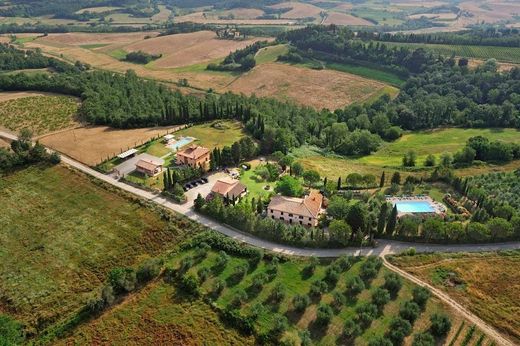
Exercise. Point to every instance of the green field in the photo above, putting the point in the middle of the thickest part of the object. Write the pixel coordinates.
(292, 277)
(94, 46)
(41, 114)
(505, 54)
(381, 16)
(270, 54)
(370, 73)
(118, 54)
(60, 236)
(433, 142)
(210, 136)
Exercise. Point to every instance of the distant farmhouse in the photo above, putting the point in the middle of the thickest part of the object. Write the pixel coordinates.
(229, 34)
(194, 156)
(304, 211)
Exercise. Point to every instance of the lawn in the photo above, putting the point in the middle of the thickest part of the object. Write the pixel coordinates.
(215, 134)
(255, 187)
(41, 114)
(486, 283)
(291, 275)
(505, 54)
(61, 234)
(433, 142)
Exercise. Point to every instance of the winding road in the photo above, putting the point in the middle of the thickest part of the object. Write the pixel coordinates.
(384, 247)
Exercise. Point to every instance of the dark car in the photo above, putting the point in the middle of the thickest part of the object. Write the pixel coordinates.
(200, 181)
(205, 180)
(188, 186)
(194, 183)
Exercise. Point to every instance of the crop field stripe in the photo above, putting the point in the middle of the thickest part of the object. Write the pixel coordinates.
(505, 54)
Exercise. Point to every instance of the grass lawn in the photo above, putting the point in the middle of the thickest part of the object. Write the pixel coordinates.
(371, 73)
(60, 236)
(118, 54)
(41, 114)
(94, 45)
(290, 275)
(255, 188)
(209, 136)
(155, 316)
(270, 54)
(433, 142)
(486, 283)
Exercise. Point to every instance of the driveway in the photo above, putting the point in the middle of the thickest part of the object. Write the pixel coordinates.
(129, 165)
(204, 189)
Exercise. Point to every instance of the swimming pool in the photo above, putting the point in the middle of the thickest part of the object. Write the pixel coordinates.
(414, 207)
(180, 143)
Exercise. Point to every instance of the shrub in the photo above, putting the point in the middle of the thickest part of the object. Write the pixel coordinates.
(355, 285)
(218, 287)
(148, 270)
(300, 302)
(202, 251)
(421, 296)
(393, 283)
(380, 297)
(318, 288)
(186, 263)
(203, 274)
(239, 297)
(338, 299)
(189, 284)
(309, 268)
(366, 313)
(370, 268)
(122, 279)
(277, 293)
(258, 281)
(324, 314)
(221, 261)
(280, 326)
(240, 272)
(423, 339)
(351, 328)
(440, 325)
(332, 274)
(410, 311)
(344, 262)
(398, 330)
(380, 341)
(305, 338)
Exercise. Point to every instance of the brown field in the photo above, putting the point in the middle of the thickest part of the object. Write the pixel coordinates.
(318, 89)
(299, 10)
(92, 145)
(98, 9)
(345, 19)
(488, 283)
(163, 14)
(198, 17)
(242, 13)
(5, 39)
(13, 95)
(79, 39)
(4, 143)
(187, 49)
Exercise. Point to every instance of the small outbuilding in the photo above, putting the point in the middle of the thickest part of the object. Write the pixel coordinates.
(148, 168)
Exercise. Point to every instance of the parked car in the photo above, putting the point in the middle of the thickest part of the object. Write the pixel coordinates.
(201, 182)
(205, 180)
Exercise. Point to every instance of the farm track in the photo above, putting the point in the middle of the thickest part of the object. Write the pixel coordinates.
(385, 247)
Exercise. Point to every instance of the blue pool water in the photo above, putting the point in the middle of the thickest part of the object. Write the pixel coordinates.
(180, 143)
(414, 207)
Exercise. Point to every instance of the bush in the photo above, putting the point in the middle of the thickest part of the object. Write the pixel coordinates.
(366, 313)
(324, 314)
(332, 275)
(221, 261)
(189, 284)
(300, 302)
(280, 326)
(398, 330)
(421, 295)
(380, 297)
(318, 288)
(355, 286)
(351, 329)
(239, 298)
(410, 311)
(380, 341)
(338, 299)
(240, 272)
(344, 263)
(217, 287)
(258, 281)
(122, 280)
(393, 283)
(186, 264)
(148, 270)
(370, 268)
(423, 339)
(203, 274)
(440, 325)
(277, 293)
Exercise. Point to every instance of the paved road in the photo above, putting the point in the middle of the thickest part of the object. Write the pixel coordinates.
(385, 247)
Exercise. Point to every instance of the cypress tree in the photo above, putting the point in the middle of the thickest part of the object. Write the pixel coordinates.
(260, 206)
(339, 183)
(392, 221)
(166, 180)
(381, 221)
(382, 181)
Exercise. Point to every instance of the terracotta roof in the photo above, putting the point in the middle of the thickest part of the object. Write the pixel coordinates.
(147, 165)
(228, 187)
(193, 152)
(309, 206)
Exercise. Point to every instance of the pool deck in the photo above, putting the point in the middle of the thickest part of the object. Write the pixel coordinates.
(438, 208)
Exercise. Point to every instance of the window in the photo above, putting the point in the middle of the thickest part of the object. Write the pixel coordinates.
(281, 213)
(309, 224)
(272, 216)
(281, 218)
(310, 219)
(272, 211)
(291, 215)
(301, 217)
(301, 223)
